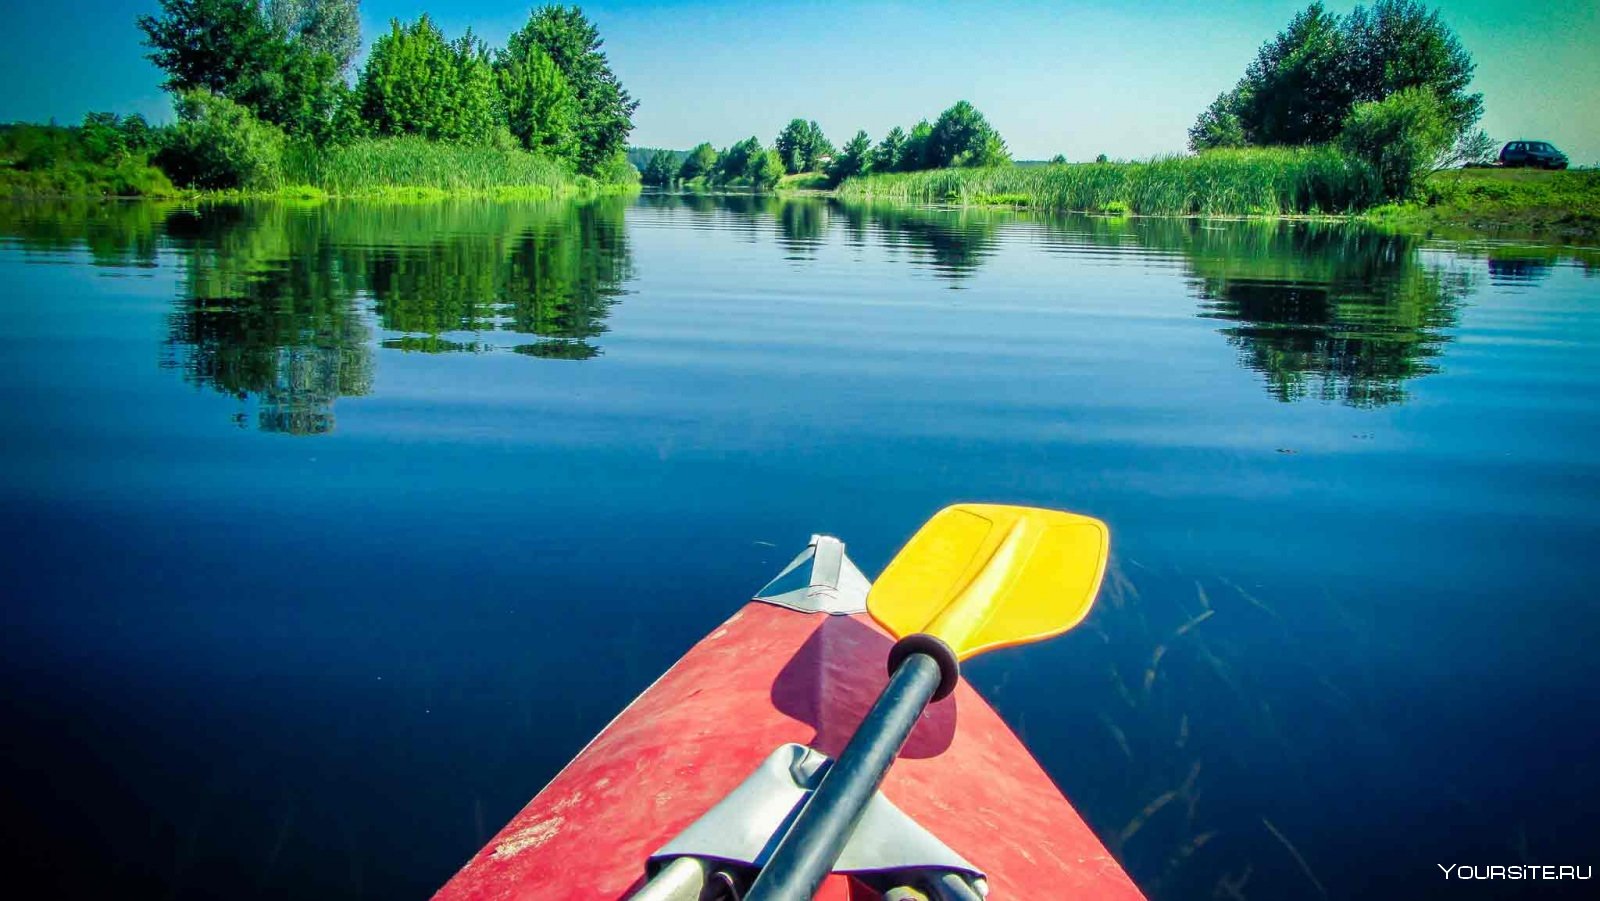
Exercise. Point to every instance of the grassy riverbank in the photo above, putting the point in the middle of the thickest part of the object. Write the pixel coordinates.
(1264, 182)
(1271, 181)
(405, 168)
(1515, 201)
(417, 167)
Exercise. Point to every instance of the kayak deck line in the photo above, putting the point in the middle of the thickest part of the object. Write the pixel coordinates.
(769, 676)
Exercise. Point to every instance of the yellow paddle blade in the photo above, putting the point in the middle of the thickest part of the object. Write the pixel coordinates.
(985, 576)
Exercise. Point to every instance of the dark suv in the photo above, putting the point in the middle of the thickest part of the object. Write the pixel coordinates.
(1532, 153)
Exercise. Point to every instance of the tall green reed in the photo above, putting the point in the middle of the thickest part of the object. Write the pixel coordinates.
(376, 164)
(1263, 181)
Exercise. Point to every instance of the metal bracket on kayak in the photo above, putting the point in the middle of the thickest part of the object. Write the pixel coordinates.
(832, 584)
(887, 849)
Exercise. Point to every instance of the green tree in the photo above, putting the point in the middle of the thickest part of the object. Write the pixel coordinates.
(700, 162)
(227, 47)
(817, 147)
(218, 144)
(1302, 84)
(961, 136)
(108, 138)
(1219, 125)
(802, 146)
(737, 161)
(297, 89)
(1400, 136)
(332, 27)
(790, 145)
(661, 169)
(886, 156)
(209, 44)
(605, 110)
(416, 82)
(918, 153)
(618, 170)
(1400, 44)
(1299, 84)
(540, 108)
(854, 159)
(766, 169)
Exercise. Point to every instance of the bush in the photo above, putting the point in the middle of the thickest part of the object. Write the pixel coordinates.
(217, 144)
(1399, 137)
(617, 171)
(766, 170)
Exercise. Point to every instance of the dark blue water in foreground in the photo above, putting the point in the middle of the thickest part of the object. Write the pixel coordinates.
(330, 534)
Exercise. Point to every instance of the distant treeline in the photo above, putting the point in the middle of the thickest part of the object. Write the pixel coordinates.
(254, 83)
(960, 137)
(640, 157)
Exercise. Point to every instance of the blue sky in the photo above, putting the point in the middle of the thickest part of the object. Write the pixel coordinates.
(1124, 79)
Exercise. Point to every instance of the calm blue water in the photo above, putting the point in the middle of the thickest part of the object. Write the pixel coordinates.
(331, 533)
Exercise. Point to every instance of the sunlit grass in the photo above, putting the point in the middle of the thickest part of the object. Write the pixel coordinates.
(131, 178)
(417, 169)
(1565, 204)
(1269, 181)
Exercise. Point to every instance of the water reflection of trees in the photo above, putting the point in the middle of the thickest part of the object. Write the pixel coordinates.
(950, 244)
(1324, 311)
(1321, 310)
(114, 234)
(263, 314)
(273, 299)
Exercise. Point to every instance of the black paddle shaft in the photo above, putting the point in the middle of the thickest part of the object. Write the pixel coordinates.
(805, 855)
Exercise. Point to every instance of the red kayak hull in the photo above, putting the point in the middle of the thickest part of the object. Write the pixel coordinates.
(767, 676)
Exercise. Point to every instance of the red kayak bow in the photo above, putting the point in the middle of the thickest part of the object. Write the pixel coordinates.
(792, 671)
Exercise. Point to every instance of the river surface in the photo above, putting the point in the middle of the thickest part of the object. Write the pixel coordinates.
(332, 532)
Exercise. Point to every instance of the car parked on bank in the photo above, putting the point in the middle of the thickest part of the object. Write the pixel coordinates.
(1537, 154)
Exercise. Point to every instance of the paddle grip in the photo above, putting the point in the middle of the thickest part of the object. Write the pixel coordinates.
(806, 853)
(933, 646)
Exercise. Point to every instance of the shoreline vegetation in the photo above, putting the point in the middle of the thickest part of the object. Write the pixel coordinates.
(268, 103)
(1562, 204)
(1364, 116)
